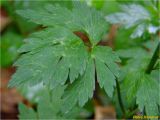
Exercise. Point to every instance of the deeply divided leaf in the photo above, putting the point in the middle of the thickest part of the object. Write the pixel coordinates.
(80, 18)
(56, 56)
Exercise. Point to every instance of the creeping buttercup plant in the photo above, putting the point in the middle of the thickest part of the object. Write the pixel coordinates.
(67, 67)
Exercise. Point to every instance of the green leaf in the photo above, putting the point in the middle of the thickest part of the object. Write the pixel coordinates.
(10, 42)
(131, 86)
(24, 26)
(135, 52)
(48, 106)
(138, 32)
(151, 44)
(82, 88)
(106, 7)
(105, 78)
(141, 87)
(97, 4)
(80, 18)
(31, 93)
(26, 113)
(148, 96)
(108, 57)
(56, 56)
(53, 100)
(106, 68)
(51, 59)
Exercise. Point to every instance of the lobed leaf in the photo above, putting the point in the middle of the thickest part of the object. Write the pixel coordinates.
(141, 87)
(80, 18)
(25, 112)
(150, 99)
(50, 111)
(82, 88)
(56, 56)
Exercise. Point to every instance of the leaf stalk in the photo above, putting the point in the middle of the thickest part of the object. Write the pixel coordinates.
(153, 59)
(119, 98)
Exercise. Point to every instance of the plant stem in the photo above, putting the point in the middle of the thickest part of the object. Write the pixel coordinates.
(119, 97)
(96, 95)
(153, 59)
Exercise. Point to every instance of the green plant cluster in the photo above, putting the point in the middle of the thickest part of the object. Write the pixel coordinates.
(58, 70)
